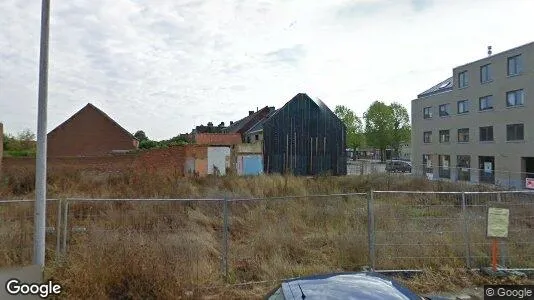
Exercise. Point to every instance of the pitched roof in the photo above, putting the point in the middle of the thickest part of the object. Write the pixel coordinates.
(90, 106)
(247, 122)
(442, 87)
(259, 126)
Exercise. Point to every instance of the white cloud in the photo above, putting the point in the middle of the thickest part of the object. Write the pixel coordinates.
(165, 66)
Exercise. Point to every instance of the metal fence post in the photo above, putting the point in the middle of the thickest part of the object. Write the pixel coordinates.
(224, 260)
(502, 244)
(371, 229)
(466, 233)
(58, 229)
(65, 222)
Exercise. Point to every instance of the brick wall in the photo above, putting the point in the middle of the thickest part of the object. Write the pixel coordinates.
(163, 161)
(89, 132)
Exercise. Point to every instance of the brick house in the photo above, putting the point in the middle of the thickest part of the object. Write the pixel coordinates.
(89, 132)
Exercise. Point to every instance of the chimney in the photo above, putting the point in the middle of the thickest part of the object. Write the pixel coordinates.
(256, 109)
(489, 50)
(250, 112)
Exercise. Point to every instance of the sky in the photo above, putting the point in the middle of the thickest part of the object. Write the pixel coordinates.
(165, 66)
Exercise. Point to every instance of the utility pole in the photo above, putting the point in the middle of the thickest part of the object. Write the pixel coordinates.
(40, 167)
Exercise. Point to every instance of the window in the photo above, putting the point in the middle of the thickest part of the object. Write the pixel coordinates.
(427, 112)
(515, 132)
(515, 65)
(444, 136)
(444, 169)
(257, 137)
(427, 163)
(485, 103)
(463, 163)
(485, 73)
(444, 110)
(463, 107)
(515, 98)
(427, 137)
(463, 135)
(486, 133)
(462, 79)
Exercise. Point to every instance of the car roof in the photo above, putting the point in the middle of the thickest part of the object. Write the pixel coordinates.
(352, 285)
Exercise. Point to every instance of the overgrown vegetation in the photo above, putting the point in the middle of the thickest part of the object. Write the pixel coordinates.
(21, 145)
(146, 143)
(157, 249)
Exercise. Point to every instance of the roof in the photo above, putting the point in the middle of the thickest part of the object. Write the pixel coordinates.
(348, 285)
(316, 100)
(213, 139)
(442, 87)
(247, 122)
(90, 106)
(259, 126)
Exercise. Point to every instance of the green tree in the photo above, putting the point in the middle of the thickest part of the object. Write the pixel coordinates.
(379, 124)
(140, 136)
(355, 136)
(401, 126)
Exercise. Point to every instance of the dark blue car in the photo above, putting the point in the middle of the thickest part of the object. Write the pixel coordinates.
(356, 285)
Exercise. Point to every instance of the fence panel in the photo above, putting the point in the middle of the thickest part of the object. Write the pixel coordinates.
(518, 250)
(284, 237)
(179, 239)
(16, 231)
(417, 230)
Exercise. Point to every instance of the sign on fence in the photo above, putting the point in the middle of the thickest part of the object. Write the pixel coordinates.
(498, 222)
(529, 183)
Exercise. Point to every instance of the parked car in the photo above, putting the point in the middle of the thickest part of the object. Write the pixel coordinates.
(353, 285)
(398, 166)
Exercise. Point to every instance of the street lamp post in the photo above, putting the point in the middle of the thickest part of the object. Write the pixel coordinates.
(40, 167)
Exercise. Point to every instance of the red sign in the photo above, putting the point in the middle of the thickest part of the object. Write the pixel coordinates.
(529, 183)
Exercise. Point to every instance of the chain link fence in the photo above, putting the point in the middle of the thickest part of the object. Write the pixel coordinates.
(16, 231)
(198, 241)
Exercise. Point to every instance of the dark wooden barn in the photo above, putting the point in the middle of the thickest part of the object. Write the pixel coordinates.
(304, 137)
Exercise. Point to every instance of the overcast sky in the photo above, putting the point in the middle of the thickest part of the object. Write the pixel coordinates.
(164, 66)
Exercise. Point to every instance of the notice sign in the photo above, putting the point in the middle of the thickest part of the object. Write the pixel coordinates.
(529, 183)
(498, 219)
(487, 167)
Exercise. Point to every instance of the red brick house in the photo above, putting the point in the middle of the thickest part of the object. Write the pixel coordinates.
(89, 132)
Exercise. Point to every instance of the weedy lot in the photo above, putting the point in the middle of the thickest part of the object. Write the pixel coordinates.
(168, 249)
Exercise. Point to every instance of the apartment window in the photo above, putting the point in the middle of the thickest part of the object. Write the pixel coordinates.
(515, 98)
(463, 167)
(427, 112)
(427, 137)
(486, 133)
(463, 135)
(444, 166)
(427, 163)
(515, 132)
(485, 73)
(485, 103)
(462, 79)
(463, 106)
(515, 65)
(444, 110)
(444, 136)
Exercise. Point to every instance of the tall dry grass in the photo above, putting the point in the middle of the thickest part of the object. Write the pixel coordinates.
(157, 249)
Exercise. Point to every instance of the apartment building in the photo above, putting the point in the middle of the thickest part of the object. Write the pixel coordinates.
(478, 125)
